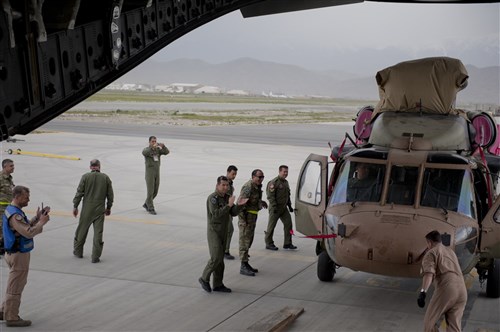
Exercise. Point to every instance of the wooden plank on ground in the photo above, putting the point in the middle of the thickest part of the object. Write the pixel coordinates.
(277, 321)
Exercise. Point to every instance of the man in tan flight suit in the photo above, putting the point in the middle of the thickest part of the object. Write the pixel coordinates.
(97, 192)
(247, 219)
(220, 207)
(232, 171)
(450, 295)
(152, 155)
(6, 186)
(280, 206)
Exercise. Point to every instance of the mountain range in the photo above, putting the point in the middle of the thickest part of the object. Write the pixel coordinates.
(258, 77)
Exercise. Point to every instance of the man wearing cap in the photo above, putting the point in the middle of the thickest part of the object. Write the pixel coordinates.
(18, 232)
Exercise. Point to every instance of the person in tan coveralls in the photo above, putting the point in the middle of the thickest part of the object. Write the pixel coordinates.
(450, 295)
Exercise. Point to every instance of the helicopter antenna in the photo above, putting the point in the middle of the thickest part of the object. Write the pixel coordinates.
(352, 141)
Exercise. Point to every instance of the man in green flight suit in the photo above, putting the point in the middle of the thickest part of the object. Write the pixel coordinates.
(278, 194)
(247, 218)
(232, 171)
(6, 186)
(97, 192)
(220, 208)
(152, 155)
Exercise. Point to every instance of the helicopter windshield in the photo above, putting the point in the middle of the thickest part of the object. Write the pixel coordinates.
(449, 189)
(402, 185)
(359, 182)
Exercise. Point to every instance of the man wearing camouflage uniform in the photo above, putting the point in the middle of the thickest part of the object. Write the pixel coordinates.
(232, 171)
(152, 155)
(247, 219)
(97, 192)
(6, 186)
(220, 208)
(278, 195)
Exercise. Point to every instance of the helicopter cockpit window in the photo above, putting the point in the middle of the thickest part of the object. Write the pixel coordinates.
(359, 182)
(402, 185)
(310, 184)
(449, 189)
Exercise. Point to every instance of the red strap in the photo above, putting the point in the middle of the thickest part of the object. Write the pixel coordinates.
(331, 152)
(331, 236)
(340, 149)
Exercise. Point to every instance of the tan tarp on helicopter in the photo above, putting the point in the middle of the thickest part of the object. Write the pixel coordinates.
(429, 85)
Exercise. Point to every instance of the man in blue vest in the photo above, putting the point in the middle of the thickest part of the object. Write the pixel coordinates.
(18, 233)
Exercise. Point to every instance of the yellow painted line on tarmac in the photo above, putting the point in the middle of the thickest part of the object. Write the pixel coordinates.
(386, 282)
(257, 252)
(470, 278)
(290, 255)
(134, 220)
(114, 218)
(41, 154)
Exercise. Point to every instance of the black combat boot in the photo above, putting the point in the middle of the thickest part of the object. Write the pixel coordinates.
(251, 268)
(245, 270)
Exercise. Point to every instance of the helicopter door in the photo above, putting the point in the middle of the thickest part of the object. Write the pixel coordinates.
(310, 198)
(490, 231)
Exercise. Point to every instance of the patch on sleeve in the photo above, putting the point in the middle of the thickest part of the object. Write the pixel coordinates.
(246, 192)
(213, 200)
(18, 217)
(271, 187)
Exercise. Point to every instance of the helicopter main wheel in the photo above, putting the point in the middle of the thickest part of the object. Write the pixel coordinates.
(493, 282)
(326, 267)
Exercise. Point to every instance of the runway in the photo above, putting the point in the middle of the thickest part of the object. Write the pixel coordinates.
(147, 280)
(312, 135)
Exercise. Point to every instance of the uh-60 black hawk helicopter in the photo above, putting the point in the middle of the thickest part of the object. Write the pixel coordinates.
(417, 165)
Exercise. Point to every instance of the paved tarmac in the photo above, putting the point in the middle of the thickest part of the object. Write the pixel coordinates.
(312, 135)
(147, 280)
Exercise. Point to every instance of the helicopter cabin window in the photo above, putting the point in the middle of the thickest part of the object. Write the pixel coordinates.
(359, 182)
(310, 184)
(449, 189)
(402, 185)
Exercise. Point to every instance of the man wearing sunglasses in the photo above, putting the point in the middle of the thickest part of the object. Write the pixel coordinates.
(247, 218)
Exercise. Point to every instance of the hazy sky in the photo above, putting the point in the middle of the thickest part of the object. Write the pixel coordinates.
(357, 38)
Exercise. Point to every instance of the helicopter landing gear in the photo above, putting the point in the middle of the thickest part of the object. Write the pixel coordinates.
(493, 281)
(326, 267)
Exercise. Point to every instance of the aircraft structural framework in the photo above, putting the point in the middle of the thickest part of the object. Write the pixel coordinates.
(56, 53)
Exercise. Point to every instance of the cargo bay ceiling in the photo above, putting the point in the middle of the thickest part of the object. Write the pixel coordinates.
(56, 53)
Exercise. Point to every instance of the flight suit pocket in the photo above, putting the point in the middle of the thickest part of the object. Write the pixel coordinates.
(216, 226)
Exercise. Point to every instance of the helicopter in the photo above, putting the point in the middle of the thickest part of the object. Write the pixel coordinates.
(416, 164)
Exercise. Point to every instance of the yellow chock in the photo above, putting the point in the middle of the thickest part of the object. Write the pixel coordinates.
(39, 154)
